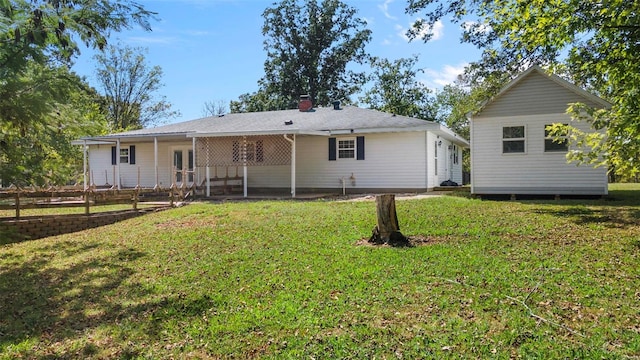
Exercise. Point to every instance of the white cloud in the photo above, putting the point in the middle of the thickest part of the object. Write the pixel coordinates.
(476, 27)
(445, 76)
(384, 7)
(436, 32)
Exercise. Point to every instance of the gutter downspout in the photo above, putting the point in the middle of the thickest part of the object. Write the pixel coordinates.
(155, 161)
(293, 163)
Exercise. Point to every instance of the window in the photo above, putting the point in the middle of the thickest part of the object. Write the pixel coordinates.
(250, 153)
(127, 155)
(346, 149)
(254, 151)
(553, 144)
(513, 139)
(124, 156)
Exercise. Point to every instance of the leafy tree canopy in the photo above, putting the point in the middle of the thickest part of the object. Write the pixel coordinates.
(309, 47)
(129, 86)
(44, 30)
(42, 105)
(45, 109)
(395, 89)
(594, 44)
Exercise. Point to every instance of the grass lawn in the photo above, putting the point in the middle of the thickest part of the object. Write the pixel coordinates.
(285, 279)
(71, 210)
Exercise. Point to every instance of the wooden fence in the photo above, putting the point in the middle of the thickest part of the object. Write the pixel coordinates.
(20, 199)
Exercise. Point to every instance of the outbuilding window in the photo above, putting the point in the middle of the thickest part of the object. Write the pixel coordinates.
(513, 139)
(555, 144)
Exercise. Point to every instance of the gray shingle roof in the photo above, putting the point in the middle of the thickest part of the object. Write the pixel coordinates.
(318, 121)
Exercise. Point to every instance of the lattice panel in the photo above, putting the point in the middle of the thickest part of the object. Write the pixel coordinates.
(238, 150)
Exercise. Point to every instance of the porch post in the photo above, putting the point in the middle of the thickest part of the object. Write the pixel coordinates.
(208, 181)
(155, 161)
(117, 177)
(293, 167)
(84, 164)
(244, 165)
(292, 141)
(208, 173)
(195, 178)
(244, 183)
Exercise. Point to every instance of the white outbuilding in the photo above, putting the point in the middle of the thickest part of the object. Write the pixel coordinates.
(511, 150)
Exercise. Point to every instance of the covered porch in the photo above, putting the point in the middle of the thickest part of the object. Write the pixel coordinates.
(206, 165)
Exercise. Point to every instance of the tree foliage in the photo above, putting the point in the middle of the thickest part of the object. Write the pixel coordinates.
(43, 110)
(129, 86)
(48, 30)
(309, 46)
(396, 89)
(42, 105)
(594, 44)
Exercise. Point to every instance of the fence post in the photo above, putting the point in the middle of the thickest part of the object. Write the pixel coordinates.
(86, 202)
(135, 199)
(18, 204)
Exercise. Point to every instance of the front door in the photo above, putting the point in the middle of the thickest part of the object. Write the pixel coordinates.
(180, 158)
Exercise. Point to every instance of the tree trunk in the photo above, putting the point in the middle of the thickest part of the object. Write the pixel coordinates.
(387, 231)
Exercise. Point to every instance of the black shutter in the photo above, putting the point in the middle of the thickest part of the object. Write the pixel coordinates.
(332, 149)
(132, 154)
(360, 148)
(114, 160)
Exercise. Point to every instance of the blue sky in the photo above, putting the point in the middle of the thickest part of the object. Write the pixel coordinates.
(211, 50)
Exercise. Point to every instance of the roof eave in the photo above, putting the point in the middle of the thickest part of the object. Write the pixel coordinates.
(198, 134)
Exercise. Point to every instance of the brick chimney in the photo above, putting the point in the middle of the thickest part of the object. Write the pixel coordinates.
(305, 103)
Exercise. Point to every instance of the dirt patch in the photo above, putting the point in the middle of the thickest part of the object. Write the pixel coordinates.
(414, 240)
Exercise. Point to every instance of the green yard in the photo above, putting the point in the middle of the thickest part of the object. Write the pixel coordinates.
(286, 279)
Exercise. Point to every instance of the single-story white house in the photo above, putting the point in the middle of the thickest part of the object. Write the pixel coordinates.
(511, 151)
(324, 149)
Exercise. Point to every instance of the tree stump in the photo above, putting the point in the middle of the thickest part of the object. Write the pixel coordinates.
(388, 230)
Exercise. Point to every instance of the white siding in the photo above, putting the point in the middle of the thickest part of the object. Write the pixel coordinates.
(532, 172)
(269, 176)
(392, 160)
(533, 95)
(100, 164)
(100, 168)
